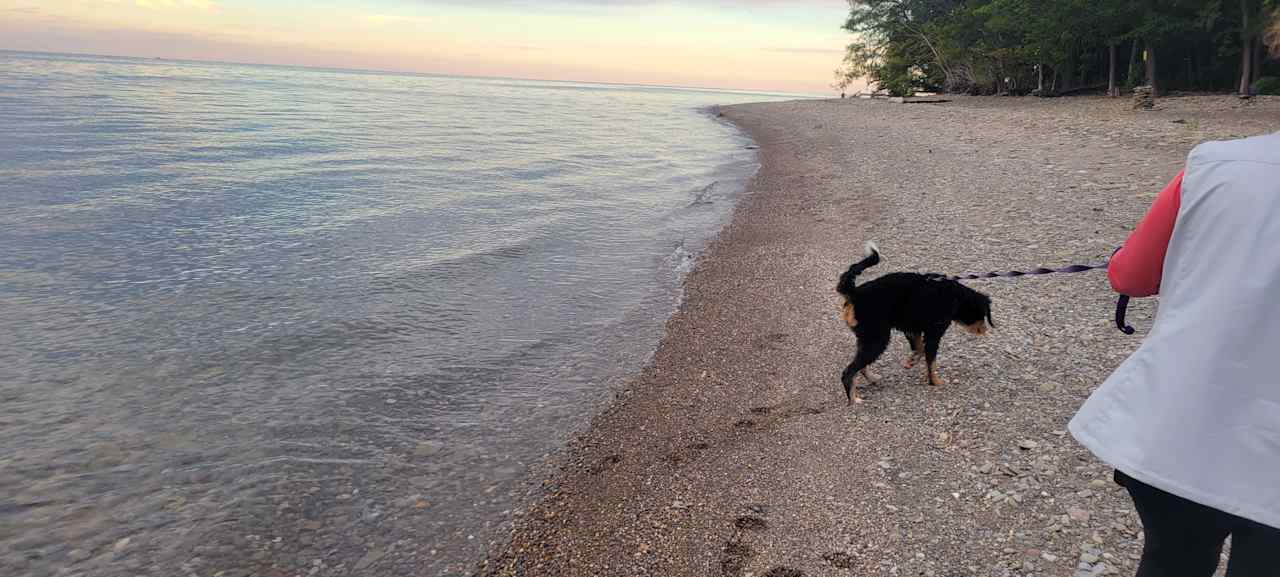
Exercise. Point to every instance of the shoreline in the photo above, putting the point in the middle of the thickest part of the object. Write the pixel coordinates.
(731, 452)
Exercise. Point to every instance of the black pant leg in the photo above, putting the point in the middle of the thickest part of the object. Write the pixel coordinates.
(1183, 538)
(1255, 550)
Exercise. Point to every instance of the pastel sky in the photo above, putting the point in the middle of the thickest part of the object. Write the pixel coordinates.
(776, 45)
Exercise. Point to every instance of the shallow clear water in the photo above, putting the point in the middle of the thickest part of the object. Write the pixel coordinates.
(320, 322)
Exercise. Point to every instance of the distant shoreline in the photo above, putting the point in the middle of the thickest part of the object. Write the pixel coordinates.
(411, 73)
(732, 453)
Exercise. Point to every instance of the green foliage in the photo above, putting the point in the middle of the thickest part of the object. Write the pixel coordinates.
(860, 61)
(1269, 85)
(990, 46)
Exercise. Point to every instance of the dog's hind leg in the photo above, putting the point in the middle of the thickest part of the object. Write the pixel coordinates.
(848, 315)
(869, 349)
(916, 340)
(932, 341)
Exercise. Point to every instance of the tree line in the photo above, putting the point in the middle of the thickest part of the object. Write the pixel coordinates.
(1060, 46)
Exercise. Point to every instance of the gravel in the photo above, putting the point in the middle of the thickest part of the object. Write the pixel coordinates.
(733, 452)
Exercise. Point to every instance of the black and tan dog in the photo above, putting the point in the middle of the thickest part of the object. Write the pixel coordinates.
(921, 306)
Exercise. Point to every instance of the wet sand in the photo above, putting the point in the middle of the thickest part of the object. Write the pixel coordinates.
(733, 452)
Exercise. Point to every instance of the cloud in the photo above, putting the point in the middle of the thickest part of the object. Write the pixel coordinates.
(543, 4)
(789, 50)
(23, 10)
(202, 5)
(396, 19)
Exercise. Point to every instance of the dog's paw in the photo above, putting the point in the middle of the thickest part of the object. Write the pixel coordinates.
(936, 381)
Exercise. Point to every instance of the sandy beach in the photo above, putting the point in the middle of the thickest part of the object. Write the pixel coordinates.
(733, 452)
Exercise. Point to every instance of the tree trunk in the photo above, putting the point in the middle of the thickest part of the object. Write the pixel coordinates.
(1259, 52)
(1246, 50)
(1112, 90)
(1040, 79)
(1069, 72)
(1200, 66)
(1131, 72)
(1151, 69)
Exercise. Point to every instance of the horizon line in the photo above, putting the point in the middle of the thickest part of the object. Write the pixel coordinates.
(419, 73)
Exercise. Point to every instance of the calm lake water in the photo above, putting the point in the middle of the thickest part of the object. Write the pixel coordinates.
(283, 321)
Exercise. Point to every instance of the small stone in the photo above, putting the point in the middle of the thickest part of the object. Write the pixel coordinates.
(678, 504)
(121, 545)
(1050, 557)
(1028, 444)
(1078, 515)
(1090, 558)
(369, 559)
(427, 448)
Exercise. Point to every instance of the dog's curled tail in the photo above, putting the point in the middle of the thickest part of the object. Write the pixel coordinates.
(849, 278)
(872, 254)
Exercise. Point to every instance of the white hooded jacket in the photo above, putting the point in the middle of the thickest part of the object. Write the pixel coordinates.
(1196, 410)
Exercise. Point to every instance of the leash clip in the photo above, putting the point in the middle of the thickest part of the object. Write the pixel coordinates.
(1122, 307)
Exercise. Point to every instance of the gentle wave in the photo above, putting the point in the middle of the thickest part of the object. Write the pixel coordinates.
(327, 310)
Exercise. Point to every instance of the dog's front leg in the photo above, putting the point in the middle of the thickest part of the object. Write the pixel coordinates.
(934, 379)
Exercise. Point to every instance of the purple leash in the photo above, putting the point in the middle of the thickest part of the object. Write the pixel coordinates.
(1018, 273)
(1122, 304)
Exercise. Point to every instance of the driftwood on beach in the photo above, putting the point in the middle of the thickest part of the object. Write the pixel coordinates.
(905, 99)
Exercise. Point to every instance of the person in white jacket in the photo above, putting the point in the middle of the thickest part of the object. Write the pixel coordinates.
(1191, 421)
